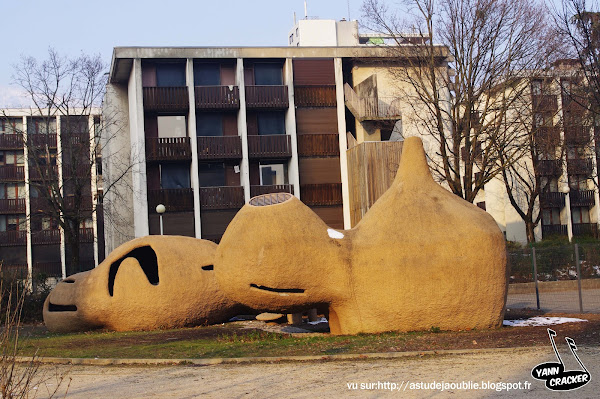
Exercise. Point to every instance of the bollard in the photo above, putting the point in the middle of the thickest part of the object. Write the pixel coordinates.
(535, 279)
(578, 265)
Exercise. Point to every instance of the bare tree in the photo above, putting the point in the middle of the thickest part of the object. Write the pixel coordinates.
(461, 107)
(62, 177)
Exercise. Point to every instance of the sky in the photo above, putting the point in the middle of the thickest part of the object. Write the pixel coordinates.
(31, 27)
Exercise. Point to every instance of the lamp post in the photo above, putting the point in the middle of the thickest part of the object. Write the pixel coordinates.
(565, 189)
(160, 209)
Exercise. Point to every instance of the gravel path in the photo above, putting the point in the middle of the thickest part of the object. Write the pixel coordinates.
(329, 379)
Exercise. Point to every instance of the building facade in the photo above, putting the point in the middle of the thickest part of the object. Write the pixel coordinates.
(36, 149)
(209, 128)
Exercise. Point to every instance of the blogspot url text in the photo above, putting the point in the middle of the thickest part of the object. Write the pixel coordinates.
(439, 386)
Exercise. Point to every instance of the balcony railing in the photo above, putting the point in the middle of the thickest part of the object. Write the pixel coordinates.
(223, 197)
(42, 140)
(15, 271)
(279, 188)
(547, 135)
(11, 141)
(545, 102)
(579, 166)
(10, 238)
(12, 205)
(80, 170)
(371, 108)
(221, 147)
(577, 135)
(267, 97)
(40, 204)
(166, 98)
(548, 167)
(315, 96)
(50, 269)
(85, 202)
(552, 199)
(51, 236)
(75, 139)
(168, 149)
(270, 146)
(321, 194)
(318, 145)
(46, 173)
(12, 173)
(585, 229)
(175, 200)
(86, 235)
(582, 198)
(217, 97)
(554, 230)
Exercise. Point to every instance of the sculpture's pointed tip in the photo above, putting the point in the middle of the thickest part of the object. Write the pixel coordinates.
(413, 163)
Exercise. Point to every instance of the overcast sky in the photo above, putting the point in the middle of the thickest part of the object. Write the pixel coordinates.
(30, 27)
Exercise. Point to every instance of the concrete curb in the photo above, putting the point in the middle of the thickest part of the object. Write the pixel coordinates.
(241, 360)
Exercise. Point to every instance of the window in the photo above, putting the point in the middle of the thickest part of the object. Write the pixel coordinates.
(270, 123)
(174, 176)
(171, 126)
(549, 184)
(86, 224)
(536, 87)
(49, 223)
(207, 74)
(269, 74)
(578, 182)
(273, 174)
(580, 214)
(16, 223)
(550, 216)
(41, 126)
(2, 126)
(209, 124)
(211, 174)
(170, 75)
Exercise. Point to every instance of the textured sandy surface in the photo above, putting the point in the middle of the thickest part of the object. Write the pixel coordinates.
(329, 379)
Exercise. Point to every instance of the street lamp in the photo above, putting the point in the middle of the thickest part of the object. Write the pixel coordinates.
(160, 209)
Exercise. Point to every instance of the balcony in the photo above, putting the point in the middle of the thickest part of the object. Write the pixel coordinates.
(12, 173)
(318, 145)
(372, 108)
(166, 99)
(12, 206)
(42, 140)
(13, 238)
(86, 235)
(43, 173)
(315, 96)
(223, 197)
(270, 146)
(84, 202)
(582, 198)
(219, 147)
(40, 204)
(217, 97)
(42, 237)
(75, 139)
(552, 199)
(82, 170)
(544, 102)
(577, 135)
(51, 269)
(11, 141)
(175, 200)
(267, 97)
(548, 167)
(554, 230)
(279, 188)
(579, 167)
(168, 149)
(547, 135)
(585, 229)
(15, 271)
(326, 194)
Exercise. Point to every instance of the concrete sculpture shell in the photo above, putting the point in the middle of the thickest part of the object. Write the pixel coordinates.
(147, 283)
(420, 258)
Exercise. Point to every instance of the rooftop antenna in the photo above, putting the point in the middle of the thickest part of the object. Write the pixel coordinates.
(349, 11)
(294, 18)
(305, 12)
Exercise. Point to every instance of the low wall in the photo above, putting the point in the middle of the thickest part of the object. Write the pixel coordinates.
(553, 286)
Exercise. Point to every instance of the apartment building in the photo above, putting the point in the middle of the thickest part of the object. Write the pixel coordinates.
(34, 149)
(566, 167)
(209, 128)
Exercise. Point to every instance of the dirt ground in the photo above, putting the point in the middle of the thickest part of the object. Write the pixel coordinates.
(331, 379)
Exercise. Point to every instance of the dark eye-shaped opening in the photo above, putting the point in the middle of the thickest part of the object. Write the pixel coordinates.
(208, 267)
(146, 257)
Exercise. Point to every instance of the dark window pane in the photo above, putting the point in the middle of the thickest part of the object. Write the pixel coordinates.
(267, 74)
(271, 123)
(211, 174)
(174, 176)
(170, 75)
(207, 74)
(268, 176)
(209, 125)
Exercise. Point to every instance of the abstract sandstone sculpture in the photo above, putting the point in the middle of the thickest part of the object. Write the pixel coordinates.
(147, 283)
(420, 258)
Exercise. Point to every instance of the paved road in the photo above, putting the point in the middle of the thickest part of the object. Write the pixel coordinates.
(330, 379)
(564, 301)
